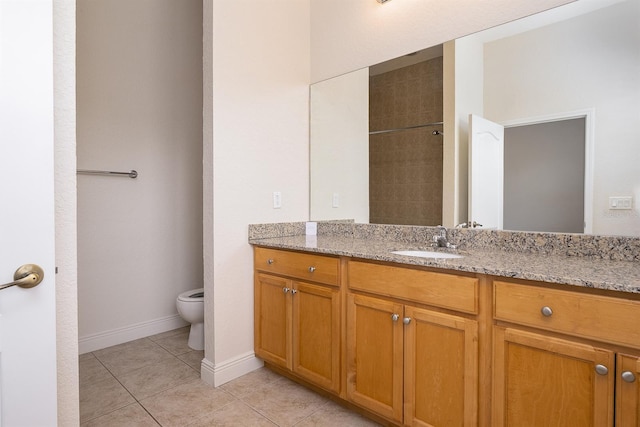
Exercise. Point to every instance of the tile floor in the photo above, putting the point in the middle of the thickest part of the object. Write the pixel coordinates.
(156, 381)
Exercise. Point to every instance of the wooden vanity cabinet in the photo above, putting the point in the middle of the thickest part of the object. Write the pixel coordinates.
(420, 351)
(297, 322)
(579, 375)
(408, 362)
(542, 381)
(375, 355)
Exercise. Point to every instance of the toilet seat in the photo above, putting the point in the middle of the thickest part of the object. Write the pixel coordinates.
(188, 296)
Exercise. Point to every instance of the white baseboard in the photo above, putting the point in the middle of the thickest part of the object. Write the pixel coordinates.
(218, 374)
(105, 339)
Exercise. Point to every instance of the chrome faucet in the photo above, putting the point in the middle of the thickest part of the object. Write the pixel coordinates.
(441, 240)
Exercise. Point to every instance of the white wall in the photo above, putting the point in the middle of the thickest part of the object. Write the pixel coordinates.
(139, 102)
(339, 130)
(349, 35)
(596, 77)
(256, 141)
(64, 33)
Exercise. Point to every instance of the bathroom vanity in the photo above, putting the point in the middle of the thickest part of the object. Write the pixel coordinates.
(496, 337)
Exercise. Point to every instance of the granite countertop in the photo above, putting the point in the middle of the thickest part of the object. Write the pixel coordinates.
(590, 272)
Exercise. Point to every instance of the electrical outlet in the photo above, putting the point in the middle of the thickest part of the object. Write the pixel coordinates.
(277, 200)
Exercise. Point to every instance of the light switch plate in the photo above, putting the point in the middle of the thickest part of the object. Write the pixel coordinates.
(621, 202)
(335, 202)
(277, 200)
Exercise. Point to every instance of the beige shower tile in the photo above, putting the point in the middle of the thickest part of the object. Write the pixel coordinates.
(152, 379)
(92, 371)
(124, 358)
(186, 403)
(101, 398)
(193, 358)
(249, 383)
(284, 402)
(129, 416)
(332, 414)
(175, 344)
(234, 414)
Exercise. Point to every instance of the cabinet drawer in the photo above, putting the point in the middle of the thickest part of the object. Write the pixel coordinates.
(316, 268)
(438, 289)
(613, 320)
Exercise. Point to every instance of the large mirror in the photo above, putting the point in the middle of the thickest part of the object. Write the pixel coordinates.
(577, 65)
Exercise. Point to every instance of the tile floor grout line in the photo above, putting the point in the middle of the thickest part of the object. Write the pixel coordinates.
(137, 401)
(150, 414)
(314, 412)
(262, 415)
(120, 382)
(239, 394)
(127, 373)
(203, 416)
(265, 416)
(106, 413)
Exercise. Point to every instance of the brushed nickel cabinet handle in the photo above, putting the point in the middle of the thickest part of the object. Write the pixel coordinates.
(628, 376)
(546, 311)
(602, 370)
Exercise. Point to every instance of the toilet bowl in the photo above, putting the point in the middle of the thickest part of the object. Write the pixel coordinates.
(190, 305)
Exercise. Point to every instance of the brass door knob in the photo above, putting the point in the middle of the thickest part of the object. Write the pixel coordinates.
(27, 276)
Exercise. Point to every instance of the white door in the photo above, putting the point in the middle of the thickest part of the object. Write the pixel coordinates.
(27, 316)
(486, 172)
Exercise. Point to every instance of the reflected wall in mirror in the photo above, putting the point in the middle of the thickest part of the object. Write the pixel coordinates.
(588, 62)
(339, 153)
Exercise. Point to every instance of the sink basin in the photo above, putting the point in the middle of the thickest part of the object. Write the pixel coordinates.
(427, 254)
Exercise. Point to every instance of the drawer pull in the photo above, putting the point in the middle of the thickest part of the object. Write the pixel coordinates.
(602, 370)
(312, 269)
(294, 291)
(285, 290)
(395, 317)
(628, 376)
(269, 261)
(546, 311)
(406, 320)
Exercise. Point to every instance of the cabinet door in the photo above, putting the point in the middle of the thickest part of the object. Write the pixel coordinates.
(316, 334)
(628, 391)
(272, 321)
(544, 381)
(374, 355)
(441, 369)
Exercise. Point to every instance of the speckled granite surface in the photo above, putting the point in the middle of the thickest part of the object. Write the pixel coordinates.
(611, 263)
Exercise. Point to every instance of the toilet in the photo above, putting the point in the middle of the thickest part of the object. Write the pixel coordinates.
(190, 305)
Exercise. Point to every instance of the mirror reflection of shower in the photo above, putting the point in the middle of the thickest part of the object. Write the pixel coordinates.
(405, 141)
